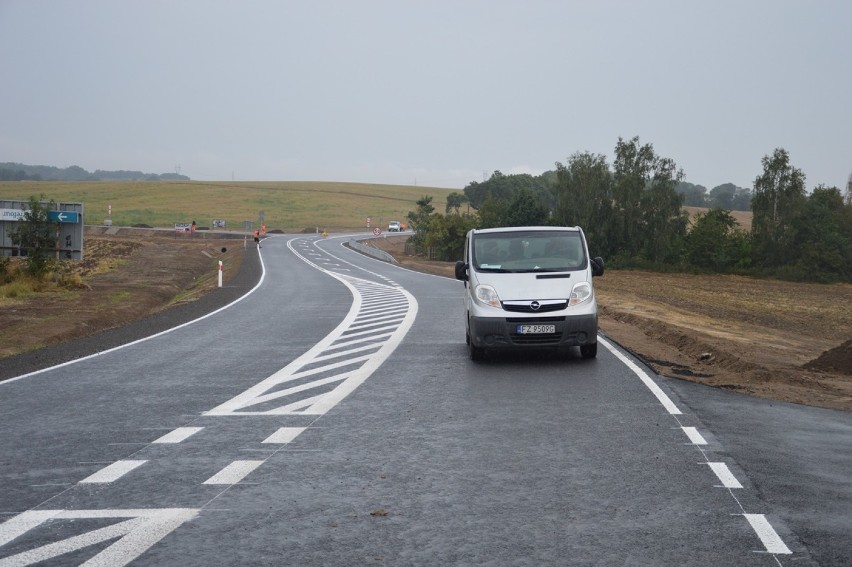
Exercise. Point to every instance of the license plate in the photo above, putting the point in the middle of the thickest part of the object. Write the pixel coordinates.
(536, 329)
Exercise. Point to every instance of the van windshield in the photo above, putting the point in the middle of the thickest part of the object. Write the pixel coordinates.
(530, 251)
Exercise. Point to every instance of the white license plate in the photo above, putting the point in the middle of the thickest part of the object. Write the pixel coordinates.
(536, 329)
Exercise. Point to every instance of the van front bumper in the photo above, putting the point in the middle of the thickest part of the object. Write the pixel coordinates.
(502, 332)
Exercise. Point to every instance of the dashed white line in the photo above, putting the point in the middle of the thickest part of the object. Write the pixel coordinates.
(233, 473)
(284, 435)
(113, 472)
(694, 436)
(178, 435)
(767, 534)
(725, 475)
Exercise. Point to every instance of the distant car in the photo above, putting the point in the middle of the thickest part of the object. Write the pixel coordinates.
(394, 226)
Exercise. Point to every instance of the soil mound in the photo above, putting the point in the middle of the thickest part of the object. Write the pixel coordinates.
(838, 359)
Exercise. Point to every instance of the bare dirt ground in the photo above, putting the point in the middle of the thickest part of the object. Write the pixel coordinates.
(777, 340)
(124, 278)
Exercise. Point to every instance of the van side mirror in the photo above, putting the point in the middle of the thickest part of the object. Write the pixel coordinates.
(597, 266)
(461, 271)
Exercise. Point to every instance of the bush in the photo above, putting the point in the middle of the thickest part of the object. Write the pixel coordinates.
(5, 270)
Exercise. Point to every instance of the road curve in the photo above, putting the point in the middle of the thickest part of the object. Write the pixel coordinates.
(333, 417)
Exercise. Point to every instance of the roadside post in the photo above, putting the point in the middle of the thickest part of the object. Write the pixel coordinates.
(220, 273)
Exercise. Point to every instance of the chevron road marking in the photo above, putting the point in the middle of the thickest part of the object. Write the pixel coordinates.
(138, 531)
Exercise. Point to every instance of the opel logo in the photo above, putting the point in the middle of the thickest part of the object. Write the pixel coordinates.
(535, 305)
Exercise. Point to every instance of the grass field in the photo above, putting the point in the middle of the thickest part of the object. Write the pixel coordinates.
(291, 206)
(288, 205)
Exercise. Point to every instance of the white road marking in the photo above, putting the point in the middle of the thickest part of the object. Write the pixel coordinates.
(764, 530)
(379, 318)
(135, 535)
(233, 473)
(161, 333)
(178, 435)
(650, 384)
(767, 534)
(694, 436)
(284, 435)
(725, 475)
(112, 472)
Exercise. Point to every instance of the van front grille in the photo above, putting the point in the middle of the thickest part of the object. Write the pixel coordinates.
(525, 307)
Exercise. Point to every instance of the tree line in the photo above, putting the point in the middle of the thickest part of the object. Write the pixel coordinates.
(20, 172)
(632, 213)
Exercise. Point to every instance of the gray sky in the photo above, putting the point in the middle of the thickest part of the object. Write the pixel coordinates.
(438, 93)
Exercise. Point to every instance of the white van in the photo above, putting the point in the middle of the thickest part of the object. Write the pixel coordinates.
(529, 287)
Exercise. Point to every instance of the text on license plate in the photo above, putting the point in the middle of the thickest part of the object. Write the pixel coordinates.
(535, 329)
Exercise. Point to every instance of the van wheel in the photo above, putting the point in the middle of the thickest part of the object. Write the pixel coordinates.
(589, 351)
(476, 353)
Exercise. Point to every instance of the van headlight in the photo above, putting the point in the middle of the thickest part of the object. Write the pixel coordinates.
(581, 292)
(487, 295)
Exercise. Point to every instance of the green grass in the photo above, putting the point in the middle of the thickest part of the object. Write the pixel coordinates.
(287, 205)
(119, 297)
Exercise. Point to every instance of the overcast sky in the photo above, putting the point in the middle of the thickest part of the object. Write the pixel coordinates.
(432, 92)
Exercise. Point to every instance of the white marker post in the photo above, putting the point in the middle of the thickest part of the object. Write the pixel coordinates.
(220, 273)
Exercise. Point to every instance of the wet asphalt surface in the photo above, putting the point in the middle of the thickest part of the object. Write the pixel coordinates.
(523, 459)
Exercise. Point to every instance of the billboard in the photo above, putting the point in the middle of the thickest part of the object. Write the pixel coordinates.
(69, 228)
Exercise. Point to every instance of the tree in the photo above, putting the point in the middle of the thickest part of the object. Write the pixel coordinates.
(722, 196)
(584, 197)
(716, 242)
(525, 210)
(779, 199)
(505, 187)
(36, 235)
(445, 236)
(824, 231)
(647, 219)
(418, 221)
(693, 195)
(492, 213)
(455, 201)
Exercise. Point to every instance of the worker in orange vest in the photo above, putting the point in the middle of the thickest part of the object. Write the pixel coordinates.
(257, 238)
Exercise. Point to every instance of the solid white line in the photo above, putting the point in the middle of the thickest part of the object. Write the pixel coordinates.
(767, 534)
(694, 436)
(113, 472)
(142, 340)
(284, 435)
(650, 384)
(725, 475)
(233, 473)
(178, 435)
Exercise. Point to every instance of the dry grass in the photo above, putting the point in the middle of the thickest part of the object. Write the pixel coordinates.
(290, 205)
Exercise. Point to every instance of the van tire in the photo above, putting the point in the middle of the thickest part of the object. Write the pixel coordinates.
(589, 351)
(476, 353)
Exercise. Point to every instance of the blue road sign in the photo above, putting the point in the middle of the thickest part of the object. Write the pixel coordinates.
(63, 216)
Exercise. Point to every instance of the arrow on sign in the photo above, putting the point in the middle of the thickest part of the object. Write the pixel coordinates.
(63, 216)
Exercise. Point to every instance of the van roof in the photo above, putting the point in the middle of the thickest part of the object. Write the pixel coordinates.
(527, 228)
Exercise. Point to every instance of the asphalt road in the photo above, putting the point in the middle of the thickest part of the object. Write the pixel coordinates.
(332, 417)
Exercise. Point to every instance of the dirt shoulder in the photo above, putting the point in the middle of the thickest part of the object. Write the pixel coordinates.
(133, 284)
(777, 340)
